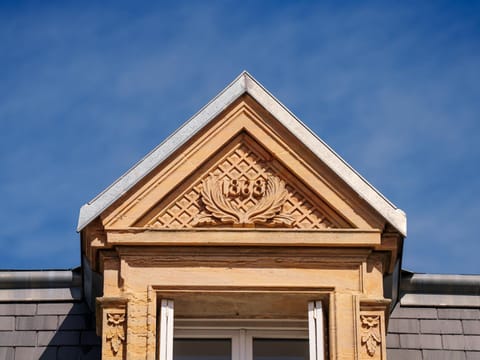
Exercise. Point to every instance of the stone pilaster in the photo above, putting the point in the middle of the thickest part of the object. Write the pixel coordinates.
(372, 329)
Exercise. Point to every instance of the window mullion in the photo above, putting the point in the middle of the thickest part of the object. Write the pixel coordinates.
(244, 351)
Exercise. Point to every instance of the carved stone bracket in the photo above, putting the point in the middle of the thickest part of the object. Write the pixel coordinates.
(373, 319)
(371, 336)
(111, 325)
(267, 196)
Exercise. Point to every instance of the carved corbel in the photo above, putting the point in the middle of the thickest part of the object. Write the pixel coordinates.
(115, 332)
(372, 328)
(111, 325)
(371, 336)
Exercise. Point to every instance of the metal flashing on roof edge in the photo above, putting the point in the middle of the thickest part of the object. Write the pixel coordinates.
(40, 285)
(244, 83)
(439, 290)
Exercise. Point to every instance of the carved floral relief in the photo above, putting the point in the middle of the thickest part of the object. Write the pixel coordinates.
(115, 333)
(371, 336)
(269, 198)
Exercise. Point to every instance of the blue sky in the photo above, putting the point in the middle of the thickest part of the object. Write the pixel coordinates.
(87, 89)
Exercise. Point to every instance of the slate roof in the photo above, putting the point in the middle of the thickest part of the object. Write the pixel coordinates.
(437, 317)
(48, 331)
(43, 317)
(434, 333)
(245, 84)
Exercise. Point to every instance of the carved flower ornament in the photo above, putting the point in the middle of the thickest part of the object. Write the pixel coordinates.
(115, 332)
(267, 210)
(371, 332)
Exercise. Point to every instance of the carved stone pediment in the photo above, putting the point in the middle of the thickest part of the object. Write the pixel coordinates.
(243, 187)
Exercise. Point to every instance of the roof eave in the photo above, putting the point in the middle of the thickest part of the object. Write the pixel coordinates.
(90, 210)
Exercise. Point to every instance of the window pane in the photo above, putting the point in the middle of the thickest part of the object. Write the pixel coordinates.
(280, 349)
(202, 349)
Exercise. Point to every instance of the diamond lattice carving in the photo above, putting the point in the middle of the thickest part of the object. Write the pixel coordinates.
(246, 162)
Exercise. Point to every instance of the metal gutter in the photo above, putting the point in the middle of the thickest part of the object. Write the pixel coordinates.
(439, 290)
(40, 285)
(442, 284)
(39, 279)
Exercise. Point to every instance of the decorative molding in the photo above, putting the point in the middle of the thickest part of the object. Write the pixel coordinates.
(236, 184)
(371, 336)
(115, 332)
(270, 195)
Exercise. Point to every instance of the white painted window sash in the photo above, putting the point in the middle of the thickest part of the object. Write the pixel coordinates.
(166, 330)
(315, 330)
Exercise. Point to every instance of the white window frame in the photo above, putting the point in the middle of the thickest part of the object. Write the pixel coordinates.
(165, 337)
(241, 332)
(316, 328)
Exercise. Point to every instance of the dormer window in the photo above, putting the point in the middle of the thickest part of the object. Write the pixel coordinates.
(239, 225)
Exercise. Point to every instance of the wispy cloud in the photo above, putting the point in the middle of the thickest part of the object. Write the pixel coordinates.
(85, 91)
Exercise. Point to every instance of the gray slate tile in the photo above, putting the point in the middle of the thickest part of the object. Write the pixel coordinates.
(49, 353)
(473, 314)
(393, 341)
(471, 327)
(17, 309)
(6, 353)
(413, 341)
(72, 322)
(413, 313)
(18, 338)
(443, 355)
(7, 323)
(473, 355)
(63, 309)
(26, 353)
(51, 338)
(406, 326)
(35, 353)
(453, 342)
(403, 354)
(38, 322)
(472, 343)
(441, 327)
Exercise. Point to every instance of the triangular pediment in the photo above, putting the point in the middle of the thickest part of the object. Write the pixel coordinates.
(243, 185)
(242, 161)
(244, 170)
